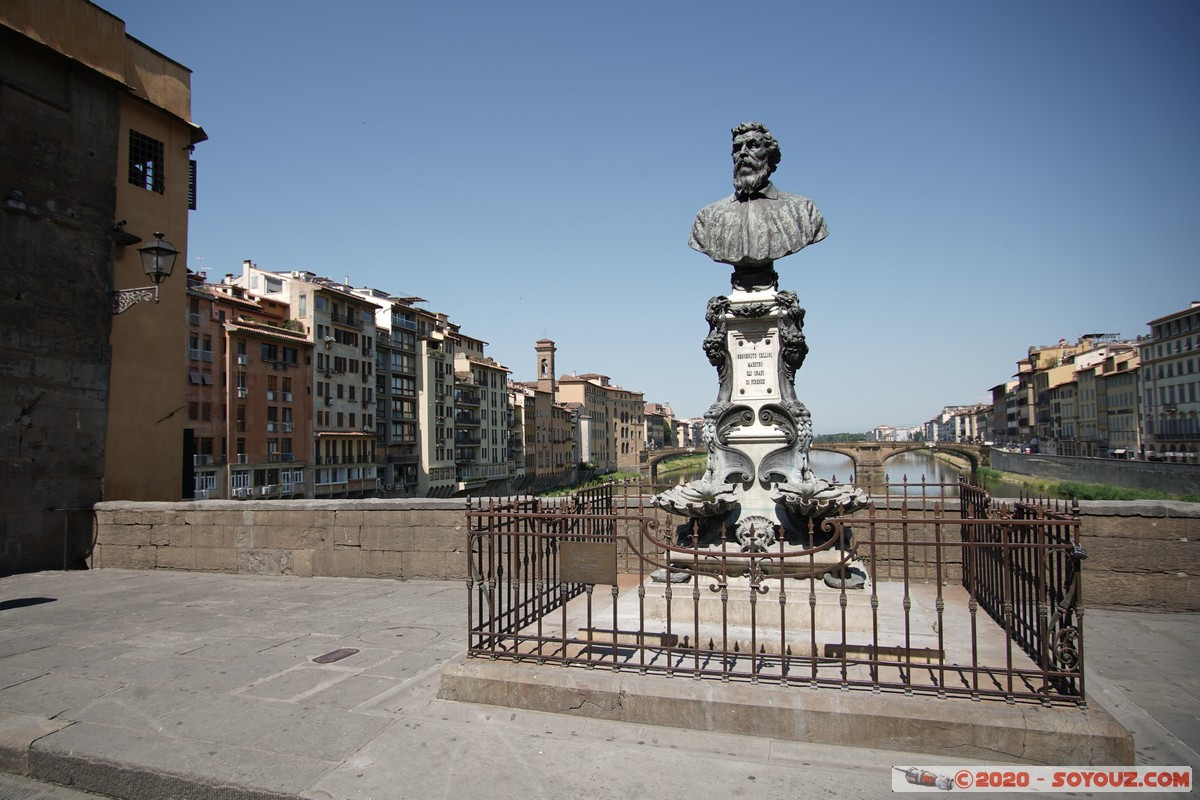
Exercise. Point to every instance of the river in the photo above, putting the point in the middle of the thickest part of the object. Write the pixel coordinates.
(913, 467)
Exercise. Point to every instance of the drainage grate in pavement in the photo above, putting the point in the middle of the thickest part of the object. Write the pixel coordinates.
(332, 656)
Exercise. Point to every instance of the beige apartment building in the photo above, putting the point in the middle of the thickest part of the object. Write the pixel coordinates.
(519, 400)
(553, 429)
(1170, 370)
(613, 440)
(1032, 382)
(659, 426)
(481, 419)
(436, 401)
(442, 404)
(610, 420)
(398, 408)
(248, 394)
(1106, 379)
(340, 326)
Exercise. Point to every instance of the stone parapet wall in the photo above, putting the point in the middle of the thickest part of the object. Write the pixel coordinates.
(416, 538)
(1143, 554)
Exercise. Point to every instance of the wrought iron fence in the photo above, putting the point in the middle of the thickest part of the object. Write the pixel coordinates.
(887, 599)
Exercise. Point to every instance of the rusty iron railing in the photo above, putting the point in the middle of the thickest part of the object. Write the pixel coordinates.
(929, 558)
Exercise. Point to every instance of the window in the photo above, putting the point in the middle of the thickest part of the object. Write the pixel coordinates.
(146, 162)
(192, 185)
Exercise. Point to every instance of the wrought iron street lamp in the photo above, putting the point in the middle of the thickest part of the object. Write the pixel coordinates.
(158, 262)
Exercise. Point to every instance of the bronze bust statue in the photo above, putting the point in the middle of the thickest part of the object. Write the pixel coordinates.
(757, 224)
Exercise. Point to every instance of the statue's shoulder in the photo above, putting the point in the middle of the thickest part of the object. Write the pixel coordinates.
(795, 199)
(717, 208)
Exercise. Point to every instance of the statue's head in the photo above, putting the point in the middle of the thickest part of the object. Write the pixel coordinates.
(755, 156)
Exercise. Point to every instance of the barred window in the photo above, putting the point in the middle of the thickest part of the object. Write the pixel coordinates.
(146, 162)
(192, 185)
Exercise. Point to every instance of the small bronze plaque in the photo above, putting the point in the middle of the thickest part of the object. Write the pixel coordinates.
(588, 562)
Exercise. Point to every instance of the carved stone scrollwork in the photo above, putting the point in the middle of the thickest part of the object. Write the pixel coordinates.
(787, 463)
(698, 499)
(752, 310)
(817, 498)
(729, 464)
(793, 348)
(716, 349)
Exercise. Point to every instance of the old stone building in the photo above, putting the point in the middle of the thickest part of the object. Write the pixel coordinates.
(95, 138)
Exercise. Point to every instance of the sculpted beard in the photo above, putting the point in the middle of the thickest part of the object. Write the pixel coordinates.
(750, 174)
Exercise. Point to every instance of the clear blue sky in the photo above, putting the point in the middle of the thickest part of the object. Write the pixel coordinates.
(994, 175)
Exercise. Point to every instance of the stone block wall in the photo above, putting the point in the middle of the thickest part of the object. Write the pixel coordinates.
(1143, 554)
(58, 169)
(1177, 479)
(417, 538)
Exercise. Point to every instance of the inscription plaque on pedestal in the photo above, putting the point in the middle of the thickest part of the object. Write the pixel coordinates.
(754, 367)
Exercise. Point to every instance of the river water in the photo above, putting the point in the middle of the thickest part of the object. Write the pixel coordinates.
(913, 467)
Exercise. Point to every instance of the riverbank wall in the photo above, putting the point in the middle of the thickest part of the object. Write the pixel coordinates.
(1140, 554)
(1172, 478)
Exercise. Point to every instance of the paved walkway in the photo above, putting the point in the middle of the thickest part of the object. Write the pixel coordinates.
(189, 685)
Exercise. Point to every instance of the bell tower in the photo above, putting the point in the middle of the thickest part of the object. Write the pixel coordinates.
(545, 365)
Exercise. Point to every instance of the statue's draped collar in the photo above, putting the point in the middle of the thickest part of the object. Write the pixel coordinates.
(766, 192)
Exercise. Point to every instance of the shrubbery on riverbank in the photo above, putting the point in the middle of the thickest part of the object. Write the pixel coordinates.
(1074, 490)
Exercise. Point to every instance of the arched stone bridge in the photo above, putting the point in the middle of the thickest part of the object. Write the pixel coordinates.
(868, 457)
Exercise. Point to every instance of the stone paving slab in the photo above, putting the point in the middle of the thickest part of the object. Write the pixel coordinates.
(190, 685)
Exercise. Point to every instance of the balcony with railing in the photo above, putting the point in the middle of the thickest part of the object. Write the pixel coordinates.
(466, 418)
(348, 320)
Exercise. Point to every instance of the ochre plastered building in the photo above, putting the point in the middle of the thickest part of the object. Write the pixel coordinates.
(154, 186)
(97, 399)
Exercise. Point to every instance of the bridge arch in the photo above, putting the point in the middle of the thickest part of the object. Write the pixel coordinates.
(656, 457)
(867, 458)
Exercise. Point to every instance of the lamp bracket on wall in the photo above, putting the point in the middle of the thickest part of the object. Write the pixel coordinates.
(122, 300)
(158, 261)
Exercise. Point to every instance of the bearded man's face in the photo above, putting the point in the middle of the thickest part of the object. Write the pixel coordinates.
(751, 162)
